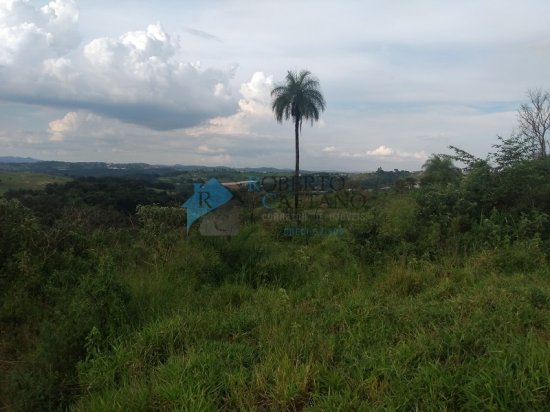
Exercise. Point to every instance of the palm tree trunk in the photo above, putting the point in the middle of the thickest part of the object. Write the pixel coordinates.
(296, 185)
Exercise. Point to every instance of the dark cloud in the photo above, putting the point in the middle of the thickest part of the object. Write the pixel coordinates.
(152, 116)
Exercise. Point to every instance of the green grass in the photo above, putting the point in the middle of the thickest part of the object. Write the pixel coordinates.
(327, 334)
(148, 318)
(27, 180)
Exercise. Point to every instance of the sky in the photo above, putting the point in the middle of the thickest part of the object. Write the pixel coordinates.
(188, 82)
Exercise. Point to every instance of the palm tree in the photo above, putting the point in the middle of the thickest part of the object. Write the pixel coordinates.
(440, 170)
(299, 98)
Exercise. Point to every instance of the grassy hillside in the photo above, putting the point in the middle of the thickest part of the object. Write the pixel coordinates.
(318, 330)
(26, 180)
(438, 298)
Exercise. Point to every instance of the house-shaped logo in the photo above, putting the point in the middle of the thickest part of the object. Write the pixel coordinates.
(206, 198)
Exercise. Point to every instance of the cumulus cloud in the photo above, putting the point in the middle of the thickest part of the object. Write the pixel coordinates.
(69, 123)
(136, 78)
(381, 151)
(254, 107)
(77, 124)
(28, 34)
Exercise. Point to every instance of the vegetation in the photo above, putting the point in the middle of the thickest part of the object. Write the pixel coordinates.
(438, 298)
(439, 170)
(299, 99)
(26, 180)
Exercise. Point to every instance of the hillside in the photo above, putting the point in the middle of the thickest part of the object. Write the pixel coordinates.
(27, 181)
(433, 298)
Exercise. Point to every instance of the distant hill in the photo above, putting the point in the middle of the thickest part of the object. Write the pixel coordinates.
(268, 170)
(15, 159)
(240, 169)
(146, 171)
(97, 169)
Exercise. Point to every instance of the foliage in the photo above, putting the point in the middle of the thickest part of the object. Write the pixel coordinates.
(299, 99)
(463, 156)
(511, 151)
(525, 187)
(439, 170)
(438, 298)
(116, 198)
(162, 228)
(415, 336)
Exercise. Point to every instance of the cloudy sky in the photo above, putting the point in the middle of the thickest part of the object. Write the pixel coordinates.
(188, 81)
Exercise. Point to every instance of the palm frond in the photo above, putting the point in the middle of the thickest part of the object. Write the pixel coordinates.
(298, 98)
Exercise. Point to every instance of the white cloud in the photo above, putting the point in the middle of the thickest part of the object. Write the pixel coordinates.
(69, 123)
(381, 151)
(28, 33)
(72, 124)
(138, 78)
(254, 107)
(256, 95)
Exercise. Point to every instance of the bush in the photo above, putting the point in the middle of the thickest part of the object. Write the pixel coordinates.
(82, 321)
(161, 228)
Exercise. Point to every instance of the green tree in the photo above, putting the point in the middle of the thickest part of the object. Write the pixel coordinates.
(463, 156)
(479, 187)
(512, 150)
(299, 98)
(440, 170)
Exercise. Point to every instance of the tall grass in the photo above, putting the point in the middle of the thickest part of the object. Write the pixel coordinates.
(387, 316)
(291, 325)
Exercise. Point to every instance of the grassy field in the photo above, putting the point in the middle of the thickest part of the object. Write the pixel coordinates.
(431, 301)
(318, 330)
(27, 180)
